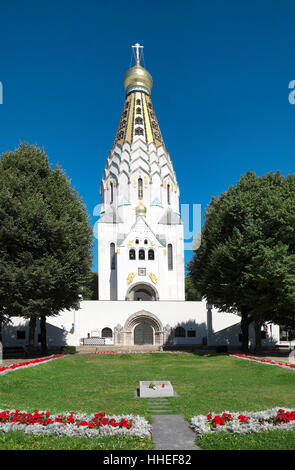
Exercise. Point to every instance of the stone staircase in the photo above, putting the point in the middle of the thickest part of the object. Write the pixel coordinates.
(118, 349)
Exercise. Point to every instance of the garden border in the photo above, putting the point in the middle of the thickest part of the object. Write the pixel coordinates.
(74, 424)
(264, 361)
(245, 422)
(34, 362)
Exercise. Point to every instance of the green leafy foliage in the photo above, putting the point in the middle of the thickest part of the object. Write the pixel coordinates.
(246, 261)
(45, 236)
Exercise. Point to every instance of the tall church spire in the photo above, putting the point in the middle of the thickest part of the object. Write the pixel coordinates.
(140, 233)
(138, 118)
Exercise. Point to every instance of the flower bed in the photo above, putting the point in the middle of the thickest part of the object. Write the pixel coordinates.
(138, 352)
(245, 422)
(265, 361)
(73, 424)
(34, 362)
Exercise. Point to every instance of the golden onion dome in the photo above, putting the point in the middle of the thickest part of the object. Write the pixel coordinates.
(138, 78)
(141, 209)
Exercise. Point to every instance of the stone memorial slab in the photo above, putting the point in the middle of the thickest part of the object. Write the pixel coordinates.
(154, 389)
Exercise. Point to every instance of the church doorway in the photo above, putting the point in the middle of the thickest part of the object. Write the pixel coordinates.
(143, 334)
(142, 292)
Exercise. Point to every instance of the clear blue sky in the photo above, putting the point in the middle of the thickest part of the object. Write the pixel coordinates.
(221, 71)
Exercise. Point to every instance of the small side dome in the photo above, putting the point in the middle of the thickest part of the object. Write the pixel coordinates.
(141, 209)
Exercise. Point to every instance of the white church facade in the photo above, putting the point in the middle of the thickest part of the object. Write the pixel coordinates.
(140, 250)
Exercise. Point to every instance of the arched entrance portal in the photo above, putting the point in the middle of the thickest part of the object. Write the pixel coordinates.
(143, 334)
(142, 291)
(141, 328)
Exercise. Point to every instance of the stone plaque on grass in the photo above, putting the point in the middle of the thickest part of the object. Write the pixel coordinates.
(153, 389)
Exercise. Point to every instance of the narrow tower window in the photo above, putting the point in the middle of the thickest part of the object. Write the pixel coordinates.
(139, 131)
(151, 255)
(138, 111)
(112, 193)
(112, 256)
(141, 254)
(168, 194)
(132, 254)
(140, 188)
(170, 257)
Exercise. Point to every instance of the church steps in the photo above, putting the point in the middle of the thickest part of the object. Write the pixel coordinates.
(117, 349)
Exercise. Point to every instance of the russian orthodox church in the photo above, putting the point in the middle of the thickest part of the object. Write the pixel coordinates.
(140, 250)
(140, 233)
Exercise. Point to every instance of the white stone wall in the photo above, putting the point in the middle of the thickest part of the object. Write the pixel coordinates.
(70, 326)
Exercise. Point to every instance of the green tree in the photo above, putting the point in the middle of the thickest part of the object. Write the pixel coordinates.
(45, 238)
(246, 261)
(90, 292)
(191, 292)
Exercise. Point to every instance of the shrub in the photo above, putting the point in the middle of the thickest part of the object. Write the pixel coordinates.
(69, 350)
(221, 349)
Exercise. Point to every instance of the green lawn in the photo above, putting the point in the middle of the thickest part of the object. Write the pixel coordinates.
(94, 383)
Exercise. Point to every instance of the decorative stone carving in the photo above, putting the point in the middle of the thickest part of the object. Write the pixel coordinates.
(130, 277)
(118, 337)
(167, 334)
(153, 278)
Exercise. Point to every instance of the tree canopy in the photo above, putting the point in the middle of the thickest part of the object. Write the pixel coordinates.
(246, 261)
(45, 236)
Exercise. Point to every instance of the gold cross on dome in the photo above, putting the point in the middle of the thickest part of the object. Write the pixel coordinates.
(137, 47)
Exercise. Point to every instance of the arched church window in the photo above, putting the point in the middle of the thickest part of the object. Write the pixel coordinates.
(138, 120)
(138, 110)
(145, 242)
(140, 188)
(141, 254)
(151, 255)
(179, 332)
(137, 102)
(170, 257)
(112, 256)
(168, 194)
(132, 254)
(139, 131)
(137, 241)
(106, 333)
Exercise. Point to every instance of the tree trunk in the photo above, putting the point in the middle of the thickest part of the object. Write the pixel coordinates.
(257, 328)
(32, 328)
(245, 321)
(43, 334)
(1, 345)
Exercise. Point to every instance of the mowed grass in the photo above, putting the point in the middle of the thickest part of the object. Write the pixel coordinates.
(94, 383)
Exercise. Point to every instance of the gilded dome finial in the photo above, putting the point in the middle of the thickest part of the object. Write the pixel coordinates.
(138, 78)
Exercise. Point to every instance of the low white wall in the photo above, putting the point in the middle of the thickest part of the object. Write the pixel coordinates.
(219, 328)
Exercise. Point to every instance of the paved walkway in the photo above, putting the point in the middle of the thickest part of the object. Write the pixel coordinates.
(172, 432)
